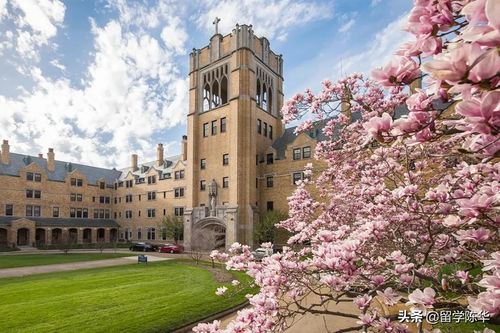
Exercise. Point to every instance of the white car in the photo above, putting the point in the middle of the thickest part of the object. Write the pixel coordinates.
(261, 253)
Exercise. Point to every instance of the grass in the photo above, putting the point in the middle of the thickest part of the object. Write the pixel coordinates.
(23, 260)
(157, 297)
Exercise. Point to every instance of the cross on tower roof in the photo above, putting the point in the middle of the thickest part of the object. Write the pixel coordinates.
(216, 22)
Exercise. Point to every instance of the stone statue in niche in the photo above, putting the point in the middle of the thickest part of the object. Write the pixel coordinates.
(212, 196)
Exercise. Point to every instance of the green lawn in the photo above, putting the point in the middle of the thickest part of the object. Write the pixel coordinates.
(21, 260)
(157, 297)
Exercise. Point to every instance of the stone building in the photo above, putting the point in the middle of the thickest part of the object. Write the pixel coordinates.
(237, 161)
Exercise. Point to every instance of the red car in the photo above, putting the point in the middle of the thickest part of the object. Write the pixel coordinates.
(171, 248)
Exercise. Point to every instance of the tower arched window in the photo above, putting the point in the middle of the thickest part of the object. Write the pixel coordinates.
(270, 103)
(206, 97)
(264, 97)
(215, 94)
(223, 90)
(257, 96)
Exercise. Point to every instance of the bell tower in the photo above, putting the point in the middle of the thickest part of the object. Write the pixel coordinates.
(235, 94)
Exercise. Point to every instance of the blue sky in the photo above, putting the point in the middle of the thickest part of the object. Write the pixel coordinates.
(100, 80)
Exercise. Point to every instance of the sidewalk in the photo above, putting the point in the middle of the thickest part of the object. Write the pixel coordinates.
(31, 270)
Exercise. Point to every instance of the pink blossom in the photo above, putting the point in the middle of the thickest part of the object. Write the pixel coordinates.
(235, 283)
(398, 70)
(491, 282)
(366, 319)
(422, 298)
(481, 116)
(480, 235)
(378, 125)
(493, 264)
(207, 328)
(389, 297)
(378, 280)
(221, 291)
(462, 276)
(363, 301)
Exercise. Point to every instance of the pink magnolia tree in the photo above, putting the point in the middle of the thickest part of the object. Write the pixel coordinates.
(409, 184)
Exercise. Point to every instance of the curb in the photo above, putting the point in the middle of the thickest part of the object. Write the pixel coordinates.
(213, 317)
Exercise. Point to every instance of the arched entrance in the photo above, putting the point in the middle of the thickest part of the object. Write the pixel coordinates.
(113, 235)
(57, 236)
(209, 234)
(40, 236)
(23, 237)
(73, 235)
(87, 235)
(3, 237)
(100, 235)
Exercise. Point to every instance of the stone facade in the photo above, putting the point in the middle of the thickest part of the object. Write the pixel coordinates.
(237, 160)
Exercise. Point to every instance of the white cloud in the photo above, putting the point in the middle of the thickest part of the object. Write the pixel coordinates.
(175, 36)
(3, 9)
(375, 3)
(270, 18)
(347, 26)
(132, 90)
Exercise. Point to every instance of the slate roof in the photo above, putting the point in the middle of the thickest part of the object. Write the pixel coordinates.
(144, 168)
(316, 133)
(62, 222)
(93, 174)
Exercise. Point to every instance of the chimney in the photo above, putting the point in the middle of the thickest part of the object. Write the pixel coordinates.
(5, 152)
(134, 162)
(184, 147)
(51, 163)
(159, 155)
(40, 155)
(415, 84)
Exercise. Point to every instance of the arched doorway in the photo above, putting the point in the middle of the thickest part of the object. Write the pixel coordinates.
(209, 234)
(23, 237)
(40, 236)
(100, 235)
(57, 236)
(87, 235)
(3, 237)
(113, 235)
(73, 235)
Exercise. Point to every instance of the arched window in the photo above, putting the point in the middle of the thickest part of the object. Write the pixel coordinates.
(264, 97)
(257, 96)
(223, 90)
(215, 94)
(270, 103)
(206, 98)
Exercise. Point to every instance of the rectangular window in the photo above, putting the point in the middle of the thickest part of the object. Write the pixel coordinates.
(296, 177)
(151, 195)
(179, 211)
(96, 213)
(151, 233)
(225, 182)
(9, 210)
(55, 211)
(259, 126)
(139, 233)
(223, 125)
(79, 182)
(296, 153)
(38, 177)
(29, 176)
(79, 197)
(102, 199)
(202, 185)
(72, 197)
(73, 182)
(265, 129)
(151, 212)
(270, 132)
(269, 158)
(257, 159)
(101, 213)
(29, 210)
(256, 182)
(85, 213)
(214, 127)
(129, 183)
(37, 194)
(270, 205)
(102, 185)
(151, 179)
(306, 152)
(128, 214)
(79, 213)
(225, 159)
(106, 214)
(205, 130)
(270, 181)
(203, 164)
(37, 210)
(29, 193)
(179, 192)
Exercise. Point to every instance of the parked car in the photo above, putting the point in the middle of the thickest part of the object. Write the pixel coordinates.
(261, 253)
(144, 247)
(171, 248)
